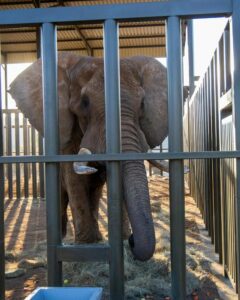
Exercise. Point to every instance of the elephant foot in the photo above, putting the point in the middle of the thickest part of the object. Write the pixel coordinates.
(90, 237)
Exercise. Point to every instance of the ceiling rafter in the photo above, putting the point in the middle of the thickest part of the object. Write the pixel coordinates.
(81, 35)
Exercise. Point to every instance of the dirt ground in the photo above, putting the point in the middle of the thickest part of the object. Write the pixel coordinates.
(26, 251)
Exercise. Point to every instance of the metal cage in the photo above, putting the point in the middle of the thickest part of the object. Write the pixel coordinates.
(173, 12)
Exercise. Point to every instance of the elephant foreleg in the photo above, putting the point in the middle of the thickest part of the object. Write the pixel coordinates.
(78, 189)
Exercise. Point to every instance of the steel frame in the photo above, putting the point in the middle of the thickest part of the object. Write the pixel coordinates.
(110, 15)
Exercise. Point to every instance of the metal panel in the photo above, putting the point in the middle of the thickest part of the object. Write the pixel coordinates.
(176, 180)
(113, 145)
(49, 59)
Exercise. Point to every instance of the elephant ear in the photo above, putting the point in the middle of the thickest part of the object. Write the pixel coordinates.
(26, 90)
(154, 120)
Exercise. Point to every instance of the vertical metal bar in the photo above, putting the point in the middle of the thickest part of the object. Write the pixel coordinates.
(175, 116)
(25, 151)
(49, 60)
(2, 249)
(236, 122)
(9, 152)
(113, 145)
(41, 168)
(226, 61)
(17, 145)
(6, 83)
(190, 55)
(221, 66)
(34, 171)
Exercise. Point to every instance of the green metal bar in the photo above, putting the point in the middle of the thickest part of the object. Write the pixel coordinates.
(121, 157)
(113, 145)
(94, 252)
(175, 115)
(51, 134)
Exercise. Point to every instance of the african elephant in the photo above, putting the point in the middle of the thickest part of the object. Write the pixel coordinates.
(144, 125)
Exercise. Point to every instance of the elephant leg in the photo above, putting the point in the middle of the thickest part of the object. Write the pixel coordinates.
(64, 204)
(78, 189)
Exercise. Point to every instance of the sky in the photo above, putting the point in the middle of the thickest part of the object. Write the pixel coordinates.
(207, 33)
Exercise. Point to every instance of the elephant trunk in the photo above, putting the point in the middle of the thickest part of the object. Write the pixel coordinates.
(136, 195)
(142, 241)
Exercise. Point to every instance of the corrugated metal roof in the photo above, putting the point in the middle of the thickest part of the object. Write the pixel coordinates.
(136, 38)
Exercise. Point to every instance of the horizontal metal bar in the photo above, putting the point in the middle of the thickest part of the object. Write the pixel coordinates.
(93, 252)
(120, 157)
(121, 12)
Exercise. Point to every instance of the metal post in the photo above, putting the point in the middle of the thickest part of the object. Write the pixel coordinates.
(175, 117)
(34, 169)
(2, 250)
(236, 122)
(25, 152)
(41, 168)
(113, 145)
(9, 152)
(17, 147)
(50, 103)
(190, 55)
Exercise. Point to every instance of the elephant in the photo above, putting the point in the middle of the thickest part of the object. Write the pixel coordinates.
(144, 125)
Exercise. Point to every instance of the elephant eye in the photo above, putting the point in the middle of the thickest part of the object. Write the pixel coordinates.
(85, 102)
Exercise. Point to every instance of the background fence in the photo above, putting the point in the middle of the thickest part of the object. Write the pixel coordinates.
(20, 138)
(209, 127)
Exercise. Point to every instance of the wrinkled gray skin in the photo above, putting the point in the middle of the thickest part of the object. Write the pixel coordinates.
(82, 125)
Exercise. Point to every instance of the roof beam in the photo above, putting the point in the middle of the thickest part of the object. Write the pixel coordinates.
(88, 47)
(81, 35)
(36, 3)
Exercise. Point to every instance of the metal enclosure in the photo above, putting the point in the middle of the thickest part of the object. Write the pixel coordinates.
(110, 15)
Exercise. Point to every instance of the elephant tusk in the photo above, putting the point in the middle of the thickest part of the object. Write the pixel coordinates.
(164, 165)
(82, 168)
(161, 165)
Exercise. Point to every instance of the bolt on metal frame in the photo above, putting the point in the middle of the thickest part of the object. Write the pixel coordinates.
(110, 15)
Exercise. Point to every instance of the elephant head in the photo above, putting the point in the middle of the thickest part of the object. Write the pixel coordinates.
(81, 105)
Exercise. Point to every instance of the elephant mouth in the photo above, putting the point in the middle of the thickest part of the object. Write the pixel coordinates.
(82, 168)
